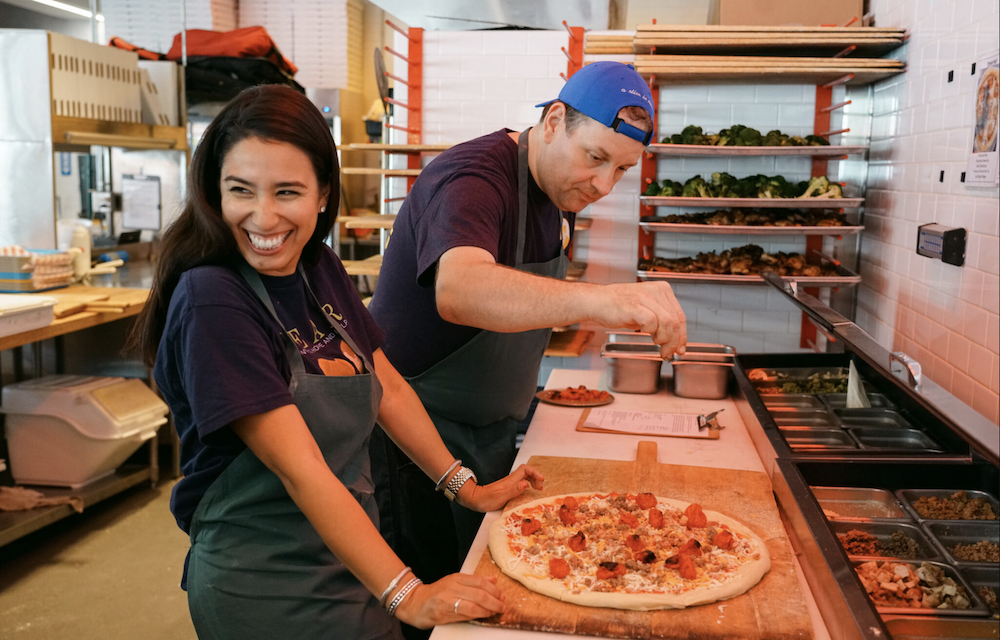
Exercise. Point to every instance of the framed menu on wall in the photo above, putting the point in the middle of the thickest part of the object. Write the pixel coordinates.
(141, 202)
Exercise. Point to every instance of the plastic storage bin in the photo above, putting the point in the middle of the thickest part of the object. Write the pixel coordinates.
(19, 313)
(66, 430)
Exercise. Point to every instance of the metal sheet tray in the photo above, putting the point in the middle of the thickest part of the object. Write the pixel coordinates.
(978, 608)
(844, 278)
(860, 504)
(894, 439)
(907, 628)
(839, 401)
(948, 534)
(875, 418)
(983, 576)
(770, 203)
(746, 230)
(884, 531)
(910, 496)
(775, 402)
(811, 439)
(727, 151)
(805, 418)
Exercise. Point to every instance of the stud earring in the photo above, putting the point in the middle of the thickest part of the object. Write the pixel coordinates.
(322, 209)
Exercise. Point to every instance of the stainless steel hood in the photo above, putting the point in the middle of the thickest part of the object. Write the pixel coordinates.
(469, 15)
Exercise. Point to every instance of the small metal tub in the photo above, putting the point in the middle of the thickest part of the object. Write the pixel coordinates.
(949, 534)
(706, 352)
(884, 531)
(839, 400)
(806, 418)
(879, 418)
(704, 380)
(911, 496)
(850, 503)
(789, 401)
(632, 367)
(892, 439)
(906, 628)
(976, 608)
(980, 576)
(810, 439)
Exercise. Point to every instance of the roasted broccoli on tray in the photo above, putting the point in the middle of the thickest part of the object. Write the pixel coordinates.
(725, 185)
(741, 136)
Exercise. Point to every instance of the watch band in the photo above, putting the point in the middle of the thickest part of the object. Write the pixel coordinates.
(457, 481)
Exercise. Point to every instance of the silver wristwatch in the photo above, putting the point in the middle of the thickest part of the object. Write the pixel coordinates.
(457, 481)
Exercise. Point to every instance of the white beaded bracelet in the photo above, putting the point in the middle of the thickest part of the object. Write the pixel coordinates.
(392, 585)
(405, 591)
(440, 483)
(457, 481)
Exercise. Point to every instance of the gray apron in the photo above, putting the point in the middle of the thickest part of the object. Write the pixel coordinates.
(257, 568)
(477, 395)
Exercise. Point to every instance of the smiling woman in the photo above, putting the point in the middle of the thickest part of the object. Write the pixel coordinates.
(273, 370)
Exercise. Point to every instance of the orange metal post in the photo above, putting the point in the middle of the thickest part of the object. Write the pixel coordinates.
(647, 169)
(821, 123)
(415, 78)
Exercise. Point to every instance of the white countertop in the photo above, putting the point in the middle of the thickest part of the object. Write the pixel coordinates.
(553, 433)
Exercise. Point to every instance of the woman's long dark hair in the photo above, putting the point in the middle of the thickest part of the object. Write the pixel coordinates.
(200, 236)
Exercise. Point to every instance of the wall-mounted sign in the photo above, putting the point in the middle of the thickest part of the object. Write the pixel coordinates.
(982, 167)
(140, 202)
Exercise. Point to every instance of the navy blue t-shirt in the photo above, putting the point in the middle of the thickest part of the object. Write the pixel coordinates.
(222, 357)
(466, 197)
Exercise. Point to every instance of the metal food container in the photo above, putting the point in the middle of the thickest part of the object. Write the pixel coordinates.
(894, 439)
(951, 533)
(704, 380)
(859, 503)
(839, 400)
(791, 401)
(707, 352)
(906, 628)
(976, 608)
(805, 418)
(884, 531)
(633, 367)
(872, 418)
(911, 496)
(810, 439)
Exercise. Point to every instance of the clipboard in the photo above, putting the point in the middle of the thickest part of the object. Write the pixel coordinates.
(713, 434)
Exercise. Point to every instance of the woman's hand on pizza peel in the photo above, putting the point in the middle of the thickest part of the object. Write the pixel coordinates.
(453, 598)
(494, 496)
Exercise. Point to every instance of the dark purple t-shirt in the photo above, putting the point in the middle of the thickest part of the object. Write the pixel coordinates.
(466, 197)
(222, 357)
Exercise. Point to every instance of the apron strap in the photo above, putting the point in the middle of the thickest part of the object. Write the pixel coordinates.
(334, 324)
(522, 194)
(291, 351)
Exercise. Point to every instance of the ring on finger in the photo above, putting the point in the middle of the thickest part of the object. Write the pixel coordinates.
(456, 606)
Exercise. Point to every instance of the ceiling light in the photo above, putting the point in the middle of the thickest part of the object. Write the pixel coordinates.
(55, 4)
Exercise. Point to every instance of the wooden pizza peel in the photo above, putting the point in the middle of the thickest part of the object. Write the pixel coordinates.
(774, 609)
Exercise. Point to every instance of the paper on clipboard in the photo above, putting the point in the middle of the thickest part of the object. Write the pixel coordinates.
(647, 423)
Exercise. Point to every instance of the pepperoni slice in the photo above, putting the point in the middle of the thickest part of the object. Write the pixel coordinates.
(646, 501)
(577, 542)
(566, 515)
(685, 566)
(696, 517)
(656, 518)
(570, 502)
(529, 526)
(645, 557)
(634, 542)
(724, 540)
(629, 519)
(690, 548)
(558, 568)
(603, 573)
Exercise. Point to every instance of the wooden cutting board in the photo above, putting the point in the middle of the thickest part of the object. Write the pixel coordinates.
(773, 610)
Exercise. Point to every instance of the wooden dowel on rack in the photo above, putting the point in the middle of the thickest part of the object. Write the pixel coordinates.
(841, 80)
(396, 78)
(845, 51)
(570, 31)
(398, 55)
(398, 29)
(397, 103)
(834, 107)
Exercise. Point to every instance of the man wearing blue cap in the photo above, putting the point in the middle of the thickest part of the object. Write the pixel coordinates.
(472, 282)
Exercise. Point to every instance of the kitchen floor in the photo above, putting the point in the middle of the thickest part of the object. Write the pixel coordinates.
(111, 572)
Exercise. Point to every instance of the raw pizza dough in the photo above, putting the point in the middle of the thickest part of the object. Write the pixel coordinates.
(721, 575)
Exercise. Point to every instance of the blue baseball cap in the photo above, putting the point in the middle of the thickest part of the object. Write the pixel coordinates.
(601, 89)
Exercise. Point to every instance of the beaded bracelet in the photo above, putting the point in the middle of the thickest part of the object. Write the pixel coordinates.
(405, 591)
(457, 481)
(440, 482)
(392, 585)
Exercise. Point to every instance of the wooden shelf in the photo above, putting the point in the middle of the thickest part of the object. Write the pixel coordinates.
(367, 171)
(844, 278)
(741, 230)
(378, 221)
(759, 203)
(677, 74)
(128, 135)
(396, 148)
(711, 150)
(367, 267)
(568, 344)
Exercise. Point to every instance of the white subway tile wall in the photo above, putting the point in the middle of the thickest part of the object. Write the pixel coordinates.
(944, 316)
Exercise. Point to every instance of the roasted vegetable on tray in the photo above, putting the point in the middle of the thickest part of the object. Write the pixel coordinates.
(746, 260)
(741, 136)
(725, 185)
(759, 218)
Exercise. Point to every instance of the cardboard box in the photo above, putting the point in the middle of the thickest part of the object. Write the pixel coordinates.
(785, 13)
